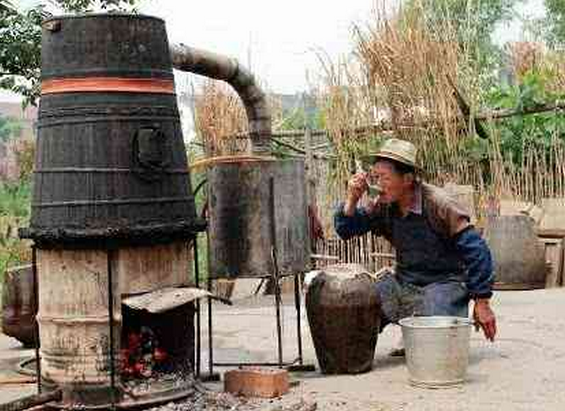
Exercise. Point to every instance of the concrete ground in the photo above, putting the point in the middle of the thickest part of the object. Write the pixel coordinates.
(523, 370)
(12, 353)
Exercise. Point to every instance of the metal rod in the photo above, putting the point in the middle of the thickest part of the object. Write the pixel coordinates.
(275, 268)
(111, 322)
(199, 187)
(279, 326)
(36, 329)
(210, 345)
(298, 315)
(198, 312)
(252, 363)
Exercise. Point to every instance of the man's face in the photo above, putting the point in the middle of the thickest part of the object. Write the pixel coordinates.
(393, 184)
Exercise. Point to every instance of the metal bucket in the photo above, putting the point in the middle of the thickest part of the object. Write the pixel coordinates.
(437, 350)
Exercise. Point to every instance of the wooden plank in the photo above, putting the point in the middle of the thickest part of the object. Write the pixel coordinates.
(553, 248)
(551, 232)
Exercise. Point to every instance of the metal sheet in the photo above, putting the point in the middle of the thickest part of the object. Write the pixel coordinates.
(166, 299)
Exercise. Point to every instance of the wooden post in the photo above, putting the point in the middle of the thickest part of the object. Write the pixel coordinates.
(554, 255)
(310, 182)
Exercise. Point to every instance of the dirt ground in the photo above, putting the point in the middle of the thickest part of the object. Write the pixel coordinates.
(523, 370)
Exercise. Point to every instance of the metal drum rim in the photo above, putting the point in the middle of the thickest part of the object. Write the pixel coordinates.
(456, 322)
(100, 15)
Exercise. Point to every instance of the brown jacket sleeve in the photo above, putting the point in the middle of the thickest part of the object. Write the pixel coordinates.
(446, 215)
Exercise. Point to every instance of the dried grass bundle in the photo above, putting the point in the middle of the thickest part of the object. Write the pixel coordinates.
(404, 78)
(553, 63)
(525, 56)
(219, 117)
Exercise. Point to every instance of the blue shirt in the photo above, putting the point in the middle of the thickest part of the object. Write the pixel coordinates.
(425, 254)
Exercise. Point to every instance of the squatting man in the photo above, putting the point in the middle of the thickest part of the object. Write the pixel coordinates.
(441, 260)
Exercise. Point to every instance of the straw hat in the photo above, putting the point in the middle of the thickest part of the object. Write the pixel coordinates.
(394, 149)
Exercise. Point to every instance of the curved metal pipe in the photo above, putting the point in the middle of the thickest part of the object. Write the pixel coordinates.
(228, 69)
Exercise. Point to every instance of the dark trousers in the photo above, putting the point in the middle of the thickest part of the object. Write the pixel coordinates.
(400, 299)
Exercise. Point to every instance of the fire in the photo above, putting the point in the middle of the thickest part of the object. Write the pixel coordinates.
(142, 355)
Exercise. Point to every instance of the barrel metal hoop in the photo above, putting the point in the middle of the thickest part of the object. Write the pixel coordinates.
(80, 203)
(120, 72)
(76, 320)
(108, 110)
(88, 120)
(105, 114)
(75, 170)
(105, 84)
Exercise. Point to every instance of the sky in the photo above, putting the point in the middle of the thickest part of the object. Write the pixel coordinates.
(278, 40)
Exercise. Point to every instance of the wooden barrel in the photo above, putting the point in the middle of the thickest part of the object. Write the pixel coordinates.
(245, 215)
(19, 305)
(344, 316)
(110, 162)
(518, 255)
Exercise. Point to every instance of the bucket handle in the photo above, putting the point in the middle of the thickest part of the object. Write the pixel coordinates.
(150, 149)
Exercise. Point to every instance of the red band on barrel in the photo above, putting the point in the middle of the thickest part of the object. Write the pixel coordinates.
(132, 85)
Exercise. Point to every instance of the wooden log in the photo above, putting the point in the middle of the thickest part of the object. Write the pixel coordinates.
(17, 380)
(324, 257)
(553, 249)
(31, 401)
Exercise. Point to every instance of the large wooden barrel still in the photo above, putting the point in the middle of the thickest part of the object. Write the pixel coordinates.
(245, 214)
(19, 305)
(110, 173)
(344, 316)
(518, 255)
(110, 161)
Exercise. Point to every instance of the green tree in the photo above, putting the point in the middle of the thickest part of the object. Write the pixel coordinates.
(519, 134)
(9, 128)
(20, 40)
(474, 19)
(474, 22)
(555, 22)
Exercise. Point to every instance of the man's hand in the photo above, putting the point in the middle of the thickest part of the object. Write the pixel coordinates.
(484, 318)
(356, 186)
